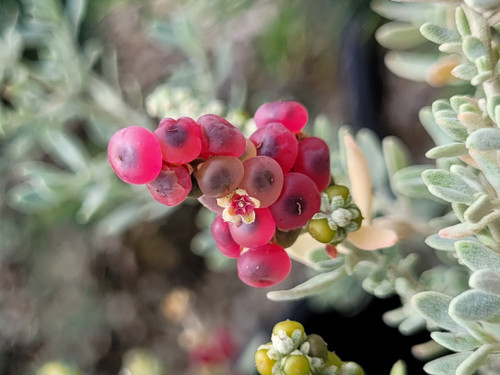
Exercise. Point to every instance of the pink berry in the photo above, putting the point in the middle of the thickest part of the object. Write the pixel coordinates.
(219, 175)
(313, 160)
(219, 137)
(298, 202)
(223, 239)
(264, 266)
(258, 233)
(263, 179)
(277, 142)
(135, 155)
(289, 113)
(172, 185)
(180, 140)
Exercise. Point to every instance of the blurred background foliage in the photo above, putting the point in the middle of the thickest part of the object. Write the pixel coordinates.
(95, 276)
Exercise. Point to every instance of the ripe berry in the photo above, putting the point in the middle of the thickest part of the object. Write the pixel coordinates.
(219, 175)
(223, 239)
(180, 140)
(172, 185)
(254, 234)
(313, 160)
(298, 202)
(219, 137)
(289, 113)
(135, 155)
(263, 179)
(277, 142)
(264, 266)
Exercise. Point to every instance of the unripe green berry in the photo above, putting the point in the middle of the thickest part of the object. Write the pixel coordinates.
(317, 347)
(296, 365)
(335, 190)
(320, 230)
(333, 360)
(289, 326)
(286, 238)
(263, 363)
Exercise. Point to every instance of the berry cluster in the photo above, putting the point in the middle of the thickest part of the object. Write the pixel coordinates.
(291, 351)
(264, 189)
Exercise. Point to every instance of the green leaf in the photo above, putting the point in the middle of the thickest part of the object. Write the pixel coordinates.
(75, 11)
(322, 261)
(475, 360)
(457, 342)
(67, 148)
(409, 65)
(453, 128)
(485, 280)
(477, 256)
(438, 34)
(369, 143)
(426, 118)
(488, 163)
(476, 305)
(448, 186)
(398, 35)
(462, 22)
(26, 199)
(479, 209)
(484, 139)
(312, 286)
(408, 181)
(448, 150)
(396, 154)
(473, 48)
(434, 307)
(446, 365)
(439, 243)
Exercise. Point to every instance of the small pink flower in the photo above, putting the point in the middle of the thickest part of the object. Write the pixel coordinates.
(238, 207)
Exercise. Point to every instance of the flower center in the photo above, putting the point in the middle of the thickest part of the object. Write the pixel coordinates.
(239, 207)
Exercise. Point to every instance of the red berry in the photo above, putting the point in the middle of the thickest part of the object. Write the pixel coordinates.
(223, 239)
(313, 160)
(219, 137)
(172, 185)
(264, 266)
(298, 202)
(180, 140)
(135, 155)
(258, 233)
(289, 113)
(277, 142)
